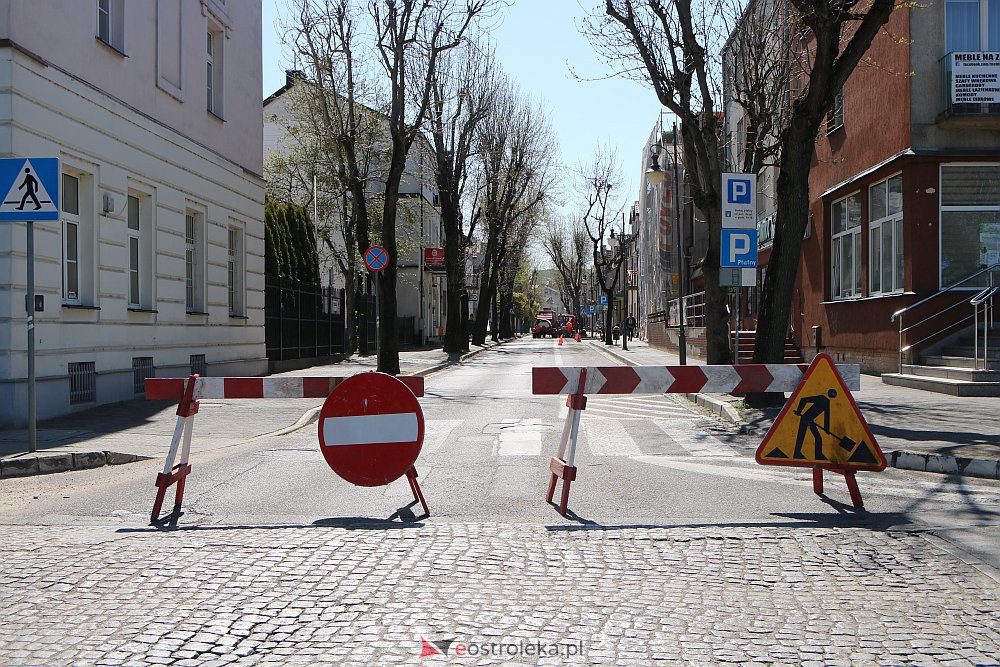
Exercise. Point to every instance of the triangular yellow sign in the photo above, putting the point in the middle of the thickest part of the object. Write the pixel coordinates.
(821, 426)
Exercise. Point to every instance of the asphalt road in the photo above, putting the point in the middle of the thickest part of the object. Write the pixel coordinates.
(643, 461)
(679, 547)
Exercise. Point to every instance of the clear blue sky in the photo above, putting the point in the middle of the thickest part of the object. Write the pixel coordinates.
(536, 42)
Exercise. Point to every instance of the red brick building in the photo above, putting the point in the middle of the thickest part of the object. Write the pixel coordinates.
(904, 190)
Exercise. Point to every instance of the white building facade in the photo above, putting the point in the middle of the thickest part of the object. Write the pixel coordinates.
(156, 266)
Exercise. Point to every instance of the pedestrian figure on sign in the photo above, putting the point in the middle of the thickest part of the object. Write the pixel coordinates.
(30, 185)
(809, 410)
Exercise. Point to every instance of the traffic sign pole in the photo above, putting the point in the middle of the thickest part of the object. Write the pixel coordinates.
(30, 308)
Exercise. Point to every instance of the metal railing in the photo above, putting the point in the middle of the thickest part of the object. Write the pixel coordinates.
(983, 299)
(694, 311)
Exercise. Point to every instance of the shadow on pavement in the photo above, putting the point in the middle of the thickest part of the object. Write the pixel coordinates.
(810, 520)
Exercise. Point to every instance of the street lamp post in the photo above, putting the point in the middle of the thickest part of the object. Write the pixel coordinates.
(655, 175)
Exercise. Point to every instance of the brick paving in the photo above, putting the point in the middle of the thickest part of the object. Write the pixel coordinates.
(365, 594)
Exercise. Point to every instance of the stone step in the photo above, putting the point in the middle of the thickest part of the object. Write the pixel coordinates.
(942, 385)
(953, 373)
(970, 351)
(955, 362)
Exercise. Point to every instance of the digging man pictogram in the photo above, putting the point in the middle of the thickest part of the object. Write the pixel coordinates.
(809, 410)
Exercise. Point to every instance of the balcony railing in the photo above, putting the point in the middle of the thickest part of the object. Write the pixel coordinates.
(978, 82)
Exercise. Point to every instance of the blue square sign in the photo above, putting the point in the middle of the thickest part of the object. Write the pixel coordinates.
(30, 187)
(740, 191)
(739, 248)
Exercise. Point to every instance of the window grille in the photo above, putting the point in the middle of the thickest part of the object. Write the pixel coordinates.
(142, 368)
(198, 365)
(82, 382)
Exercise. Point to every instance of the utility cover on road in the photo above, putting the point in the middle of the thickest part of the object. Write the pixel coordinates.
(821, 426)
(371, 429)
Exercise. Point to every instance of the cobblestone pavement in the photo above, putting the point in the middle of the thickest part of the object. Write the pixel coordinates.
(365, 594)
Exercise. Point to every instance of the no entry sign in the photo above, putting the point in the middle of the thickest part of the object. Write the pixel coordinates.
(371, 429)
(376, 258)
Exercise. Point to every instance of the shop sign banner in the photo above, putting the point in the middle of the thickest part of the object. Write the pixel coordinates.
(975, 78)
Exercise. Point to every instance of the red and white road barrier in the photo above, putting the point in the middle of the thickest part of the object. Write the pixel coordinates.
(577, 382)
(724, 379)
(257, 387)
(190, 390)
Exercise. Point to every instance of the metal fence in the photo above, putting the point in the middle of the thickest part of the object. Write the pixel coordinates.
(302, 321)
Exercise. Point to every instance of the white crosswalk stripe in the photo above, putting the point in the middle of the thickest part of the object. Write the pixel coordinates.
(693, 438)
(437, 431)
(606, 437)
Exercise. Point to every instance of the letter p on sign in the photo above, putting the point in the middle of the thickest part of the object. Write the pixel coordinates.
(739, 191)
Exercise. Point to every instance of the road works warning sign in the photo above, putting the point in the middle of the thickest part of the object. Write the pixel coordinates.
(821, 426)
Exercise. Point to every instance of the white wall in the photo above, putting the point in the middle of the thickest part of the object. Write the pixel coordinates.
(132, 138)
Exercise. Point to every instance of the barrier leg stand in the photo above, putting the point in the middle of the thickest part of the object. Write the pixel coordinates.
(176, 474)
(849, 477)
(852, 487)
(562, 468)
(411, 477)
(818, 481)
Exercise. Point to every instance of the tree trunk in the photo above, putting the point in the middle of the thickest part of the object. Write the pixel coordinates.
(350, 317)
(455, 340)
(608, 319)
(783, 265)
(487, 290)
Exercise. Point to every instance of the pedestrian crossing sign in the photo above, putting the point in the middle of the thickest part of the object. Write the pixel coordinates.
(30, 187)
(821, 426)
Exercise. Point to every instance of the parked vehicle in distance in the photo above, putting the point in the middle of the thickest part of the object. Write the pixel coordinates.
(543, 326)
(567, 325)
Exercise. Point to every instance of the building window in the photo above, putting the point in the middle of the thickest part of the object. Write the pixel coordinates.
(142, 368)
(972, 25)
(845, 251)
(71, 238)
(835, 117)
(82, 382)
(885, 240)
(213, 70)
(134, 253)
(970, 221)
(194, 244)
(198, 365)
(111, 23)
(235, 272)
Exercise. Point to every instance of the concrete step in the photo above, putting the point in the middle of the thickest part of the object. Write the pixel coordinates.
(955, 362)
(942, 385)
(970, 351)
(952, 372)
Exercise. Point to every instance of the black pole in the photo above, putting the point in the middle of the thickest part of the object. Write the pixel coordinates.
(682, 341)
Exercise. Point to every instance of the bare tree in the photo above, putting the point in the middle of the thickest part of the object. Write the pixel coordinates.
(600, 185)
(671, 45)
(383, 56)
(515, 152)
(312, 170)
(568, 247)
(462, 95)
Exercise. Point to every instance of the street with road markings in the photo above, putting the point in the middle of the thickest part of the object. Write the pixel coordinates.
(677, 545)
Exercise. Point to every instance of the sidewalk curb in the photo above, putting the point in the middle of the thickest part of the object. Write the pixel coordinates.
(899, 458)
(28, 466)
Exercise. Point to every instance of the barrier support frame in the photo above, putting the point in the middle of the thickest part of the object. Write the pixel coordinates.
(176, 474)
(562, 468)
(849, 477)
(411, 477)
